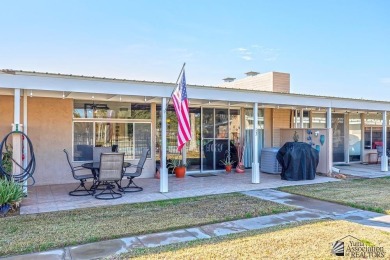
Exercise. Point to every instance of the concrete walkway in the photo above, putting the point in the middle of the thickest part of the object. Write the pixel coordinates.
(309, 209)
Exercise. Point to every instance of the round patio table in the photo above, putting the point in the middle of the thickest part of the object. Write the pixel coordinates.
(95, 166)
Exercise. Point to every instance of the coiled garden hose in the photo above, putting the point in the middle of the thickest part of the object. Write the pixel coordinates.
(27, 172)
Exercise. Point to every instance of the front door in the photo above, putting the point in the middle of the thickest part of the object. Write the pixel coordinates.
(338, 137)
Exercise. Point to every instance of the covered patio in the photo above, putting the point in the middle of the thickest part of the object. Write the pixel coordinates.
(50, 198)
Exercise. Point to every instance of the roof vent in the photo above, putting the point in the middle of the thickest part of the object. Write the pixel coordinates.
(229, 79)
(252, 73)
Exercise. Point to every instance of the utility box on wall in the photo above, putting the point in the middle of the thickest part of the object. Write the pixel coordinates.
(318, 138)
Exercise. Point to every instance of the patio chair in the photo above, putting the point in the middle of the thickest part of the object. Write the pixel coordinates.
(110, 173)
(97, 151)
(131, 186)
(81, 190)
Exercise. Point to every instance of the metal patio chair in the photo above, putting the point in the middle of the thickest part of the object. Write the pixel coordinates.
(81, 190)
(131, 186)
(110, 173)
(97, 151)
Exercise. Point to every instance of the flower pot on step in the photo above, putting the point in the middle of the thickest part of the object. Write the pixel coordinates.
(180, 171)
(228, 168)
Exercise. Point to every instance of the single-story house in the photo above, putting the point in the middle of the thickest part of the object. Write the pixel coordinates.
(76, 113)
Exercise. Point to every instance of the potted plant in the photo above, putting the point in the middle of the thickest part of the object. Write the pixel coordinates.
(11, 194)
(178, 167)
(228, 164)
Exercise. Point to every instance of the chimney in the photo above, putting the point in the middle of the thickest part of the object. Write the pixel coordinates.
(252, 73)
(229, 79)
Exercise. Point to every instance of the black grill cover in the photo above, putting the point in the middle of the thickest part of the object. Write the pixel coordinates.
(298, 160)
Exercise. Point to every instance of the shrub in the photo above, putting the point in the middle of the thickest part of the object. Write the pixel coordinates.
(10, 193)
(7, 159)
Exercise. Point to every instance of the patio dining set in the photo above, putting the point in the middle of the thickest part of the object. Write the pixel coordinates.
(108, 169)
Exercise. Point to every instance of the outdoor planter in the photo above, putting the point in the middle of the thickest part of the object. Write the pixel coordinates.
(4, 209)
(228, 168)
(240, 168)
(180, 171)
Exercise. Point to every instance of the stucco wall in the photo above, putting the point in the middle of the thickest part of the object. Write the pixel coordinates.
(50, 130)
(268, 127)
(6, 114)
(270, 81)
(280, 119)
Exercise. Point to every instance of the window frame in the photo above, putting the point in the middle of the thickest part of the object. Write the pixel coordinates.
(103, 120)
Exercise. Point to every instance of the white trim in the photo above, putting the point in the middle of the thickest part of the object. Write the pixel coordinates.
(25, 130)
(94, 136)
(163, 169)
(384, 158)
(138, 88)
(255, 163)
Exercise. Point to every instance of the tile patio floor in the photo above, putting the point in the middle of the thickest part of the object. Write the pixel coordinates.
(363, 170)
(55, 197)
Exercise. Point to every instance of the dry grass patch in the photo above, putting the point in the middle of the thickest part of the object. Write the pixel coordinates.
(39, 232)
(367, 194)
(297, 241)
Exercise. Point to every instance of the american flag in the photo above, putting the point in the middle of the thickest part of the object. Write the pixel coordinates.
(180, 101)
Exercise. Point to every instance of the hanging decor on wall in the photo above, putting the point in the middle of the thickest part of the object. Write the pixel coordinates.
(322, 139)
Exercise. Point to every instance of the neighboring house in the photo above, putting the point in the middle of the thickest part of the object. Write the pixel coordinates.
(77, 112)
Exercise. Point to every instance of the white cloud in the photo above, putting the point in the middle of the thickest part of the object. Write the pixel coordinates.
(246, 57)
(257, 52)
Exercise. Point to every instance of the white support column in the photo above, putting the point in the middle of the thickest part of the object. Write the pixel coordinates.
(255, 164)
(163, 169)
(295, 118)
(17, 108)
(184, 154)
(301, 118)
(25, 161)
(384, 158)
(329, 117)
(330, 142)
(16, 139)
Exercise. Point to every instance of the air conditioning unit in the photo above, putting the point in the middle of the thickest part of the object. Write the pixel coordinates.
(268, 161)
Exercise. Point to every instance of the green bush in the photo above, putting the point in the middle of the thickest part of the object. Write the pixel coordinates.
(7, 159)
(10, 192)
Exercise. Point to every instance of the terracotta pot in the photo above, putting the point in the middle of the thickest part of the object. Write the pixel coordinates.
(228, 168)
(180, 172)
(240, 169)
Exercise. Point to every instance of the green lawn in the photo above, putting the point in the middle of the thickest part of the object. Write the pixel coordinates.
(367, 194)
(304, 240)
(40, 232)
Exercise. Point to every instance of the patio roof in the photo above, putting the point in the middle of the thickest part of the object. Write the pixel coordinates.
(82, 87)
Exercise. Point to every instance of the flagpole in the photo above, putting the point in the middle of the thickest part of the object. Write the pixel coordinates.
(182, 68)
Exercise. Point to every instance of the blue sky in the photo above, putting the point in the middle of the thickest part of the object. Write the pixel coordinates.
(335, 48)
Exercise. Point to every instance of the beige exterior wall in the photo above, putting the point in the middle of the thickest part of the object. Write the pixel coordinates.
(50, 123)
(267, 127)
(6, 115)
(281, 82)
(50, 130)
(270, 81)
(280, 119)
(325, 164)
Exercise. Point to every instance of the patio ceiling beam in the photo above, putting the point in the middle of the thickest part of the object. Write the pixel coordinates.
(138, 88)
(110, 97)
(149, 99)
